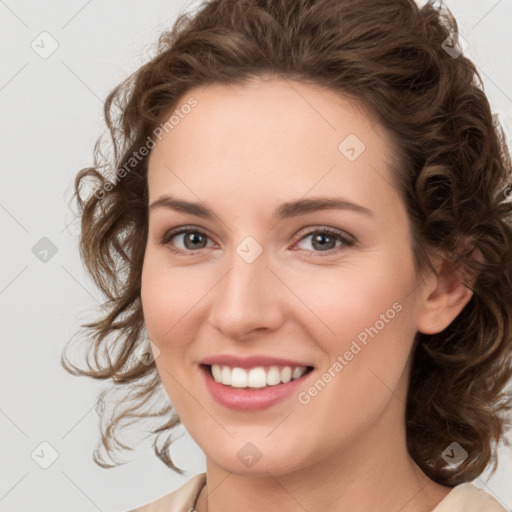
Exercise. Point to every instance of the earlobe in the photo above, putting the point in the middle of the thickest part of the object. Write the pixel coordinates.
(443, 297)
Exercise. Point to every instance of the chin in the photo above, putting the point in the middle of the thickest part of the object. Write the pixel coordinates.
(258, 458)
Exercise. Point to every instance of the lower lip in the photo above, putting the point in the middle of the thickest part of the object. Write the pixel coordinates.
(243, 399)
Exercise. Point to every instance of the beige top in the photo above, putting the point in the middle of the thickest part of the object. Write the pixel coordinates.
(462, 498)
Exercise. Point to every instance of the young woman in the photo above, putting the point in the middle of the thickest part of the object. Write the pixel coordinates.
(308, 222)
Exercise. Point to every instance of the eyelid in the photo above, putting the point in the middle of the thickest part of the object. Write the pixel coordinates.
(347, 239)
(309, 230)
(171, 233)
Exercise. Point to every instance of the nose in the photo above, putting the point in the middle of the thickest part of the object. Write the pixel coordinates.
(246, 300)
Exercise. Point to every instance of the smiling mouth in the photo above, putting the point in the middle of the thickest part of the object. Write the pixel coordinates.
(257, 377)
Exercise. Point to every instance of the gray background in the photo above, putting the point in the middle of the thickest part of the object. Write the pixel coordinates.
(51, 116)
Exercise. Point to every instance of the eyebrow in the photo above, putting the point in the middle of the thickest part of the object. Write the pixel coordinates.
(284, 211)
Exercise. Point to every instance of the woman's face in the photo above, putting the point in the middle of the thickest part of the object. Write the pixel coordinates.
(256, 281)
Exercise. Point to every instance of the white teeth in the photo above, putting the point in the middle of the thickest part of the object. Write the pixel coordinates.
(239, 378)
(226, 376)
(217, 373)
(297, 372)
(257, 377)
(286, 374)
(273, 376)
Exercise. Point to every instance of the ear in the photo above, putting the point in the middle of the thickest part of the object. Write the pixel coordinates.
(443, 295)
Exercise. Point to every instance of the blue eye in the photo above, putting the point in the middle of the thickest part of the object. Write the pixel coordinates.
(325, 240)
(192, 239)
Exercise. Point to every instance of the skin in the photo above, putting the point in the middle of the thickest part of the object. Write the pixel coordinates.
(242, 151)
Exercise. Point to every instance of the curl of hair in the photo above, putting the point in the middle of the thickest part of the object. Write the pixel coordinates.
(452, 168)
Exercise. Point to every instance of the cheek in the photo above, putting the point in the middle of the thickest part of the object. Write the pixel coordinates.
(342, 303)
(365, 317)
(366, 331)
(167, 295)
(169, 299)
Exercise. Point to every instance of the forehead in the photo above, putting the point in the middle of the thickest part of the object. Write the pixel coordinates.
(276, 140)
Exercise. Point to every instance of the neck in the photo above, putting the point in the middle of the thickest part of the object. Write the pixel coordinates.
(377, 475)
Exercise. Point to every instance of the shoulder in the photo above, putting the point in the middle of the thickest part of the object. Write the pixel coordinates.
(462, 498)
(468, 498)
(180, 500)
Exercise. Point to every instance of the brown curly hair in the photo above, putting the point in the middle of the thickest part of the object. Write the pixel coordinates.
(453, 172)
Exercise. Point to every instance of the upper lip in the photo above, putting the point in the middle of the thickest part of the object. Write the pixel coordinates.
(250, 361)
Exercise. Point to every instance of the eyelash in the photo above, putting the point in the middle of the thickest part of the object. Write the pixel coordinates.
(347, 240)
